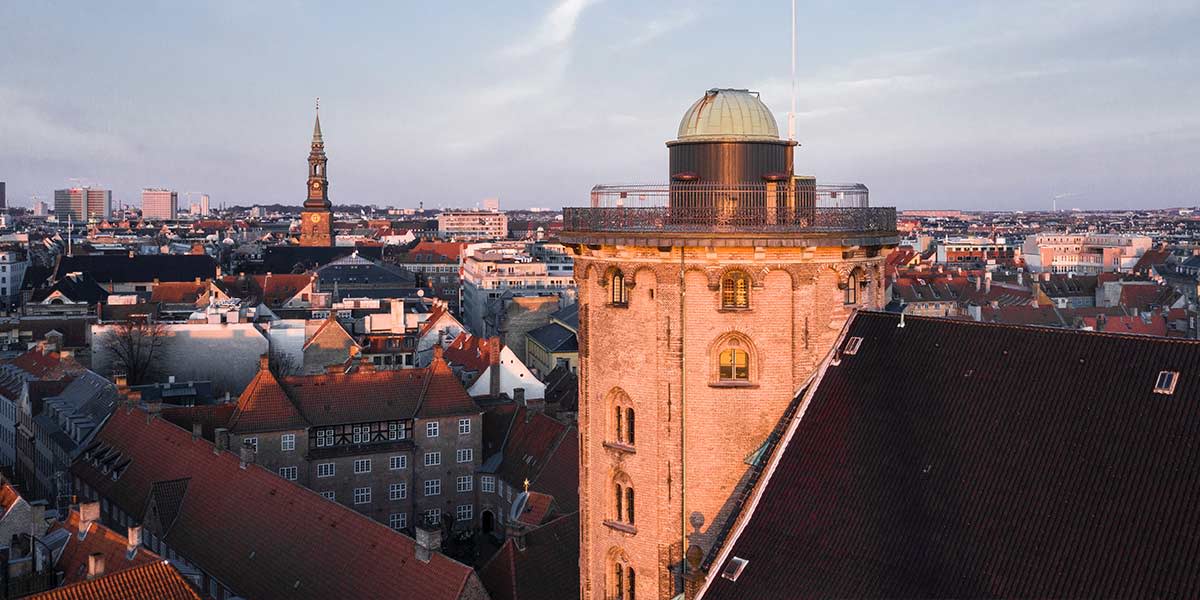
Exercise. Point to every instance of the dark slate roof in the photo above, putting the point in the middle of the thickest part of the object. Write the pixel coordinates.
(122, 268)
(959, 459)
(562, 388)
(298, 259)
(555, 338)
(568, 315)
(78, 288)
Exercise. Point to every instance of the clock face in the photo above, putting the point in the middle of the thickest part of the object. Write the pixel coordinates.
(316, 185)
(315, 218)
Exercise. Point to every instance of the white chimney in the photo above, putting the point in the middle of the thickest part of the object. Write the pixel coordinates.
(95, 565)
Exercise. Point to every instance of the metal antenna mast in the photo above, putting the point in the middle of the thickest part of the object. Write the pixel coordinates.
(792, 114)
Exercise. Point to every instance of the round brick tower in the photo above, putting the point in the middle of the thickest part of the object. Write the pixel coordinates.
(704, 304)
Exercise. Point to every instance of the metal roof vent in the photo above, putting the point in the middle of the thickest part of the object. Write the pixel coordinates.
(1165, 384)
(733, 569)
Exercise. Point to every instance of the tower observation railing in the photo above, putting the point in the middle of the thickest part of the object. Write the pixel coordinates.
(754, 208)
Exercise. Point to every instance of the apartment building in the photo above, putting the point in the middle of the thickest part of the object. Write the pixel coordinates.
(495, 273)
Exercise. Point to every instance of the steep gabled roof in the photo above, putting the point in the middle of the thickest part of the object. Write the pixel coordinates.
(958, 459)
(444, 394)
(257, 533)
(265, 406)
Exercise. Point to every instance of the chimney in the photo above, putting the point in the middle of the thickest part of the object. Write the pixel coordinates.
(197, 431)
(987, 282)
(494, 354)
(516, 530)
(429, 540)
(519, 396)
(37, 511)
(122, 382)
(153, 410)
(247, 455)
(978, 283)
(95, 567)
(133, 540)
(220, 440)
(1020, 278)
(89, 512)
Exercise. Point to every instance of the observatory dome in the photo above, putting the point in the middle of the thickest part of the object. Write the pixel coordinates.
(728, 115)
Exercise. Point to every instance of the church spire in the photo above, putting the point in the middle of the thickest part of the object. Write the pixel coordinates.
(317, 124)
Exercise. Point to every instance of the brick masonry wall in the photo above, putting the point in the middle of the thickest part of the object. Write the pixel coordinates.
(796, 313)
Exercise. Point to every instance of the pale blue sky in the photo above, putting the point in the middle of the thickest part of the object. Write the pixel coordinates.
(946, 104)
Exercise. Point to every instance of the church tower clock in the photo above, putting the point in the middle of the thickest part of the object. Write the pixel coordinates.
(316, 221)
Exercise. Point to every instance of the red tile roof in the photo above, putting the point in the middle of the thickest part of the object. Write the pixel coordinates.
(537, 508)
(529, 446)
(42, 366)
(263, 536)
(547, 569)
(99, 540)
(264, 406)
(272, 290)
(1146, 296)
(471, 352)
(8, 497)
(181, 292)
(209, 416)
(447, 251)
(958, 459)
(332, 329)
(560, 476)
(157, 580)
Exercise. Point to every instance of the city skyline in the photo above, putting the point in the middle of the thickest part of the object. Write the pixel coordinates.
(987, 106)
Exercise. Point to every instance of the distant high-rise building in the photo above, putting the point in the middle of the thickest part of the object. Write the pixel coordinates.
(492, 204)
(40, 208)
(82, 204)
(159, 203)
(3, 201)
(204, 207)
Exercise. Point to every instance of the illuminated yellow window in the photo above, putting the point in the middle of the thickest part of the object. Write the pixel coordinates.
(619, 292)
(735, 290)
(735, 365)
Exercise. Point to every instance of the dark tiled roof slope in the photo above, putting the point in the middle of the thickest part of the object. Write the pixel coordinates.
(157, 580)
(259, 534)
(122, 268)
(958, 459)
(547, 569)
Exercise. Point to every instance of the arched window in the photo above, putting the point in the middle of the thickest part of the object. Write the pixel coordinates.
(734, 365)
(623, 585)
(622, 425)
(620, 294)
(852, 288)
(735, 290)
(623, 507)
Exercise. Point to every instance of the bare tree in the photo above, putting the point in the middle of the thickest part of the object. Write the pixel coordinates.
(137, 348)
(282, 363)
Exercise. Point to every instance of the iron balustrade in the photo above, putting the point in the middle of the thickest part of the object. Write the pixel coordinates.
(694, 207)
(751, 219)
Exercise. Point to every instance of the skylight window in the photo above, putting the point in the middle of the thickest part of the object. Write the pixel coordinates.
(852, 346)
(733, 569)
(1165, 384)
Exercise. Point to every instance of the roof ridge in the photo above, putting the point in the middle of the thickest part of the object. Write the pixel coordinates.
(1036, 328)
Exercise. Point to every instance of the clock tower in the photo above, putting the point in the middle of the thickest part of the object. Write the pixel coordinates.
(316, 221)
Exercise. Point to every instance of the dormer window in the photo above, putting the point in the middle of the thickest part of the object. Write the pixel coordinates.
(852, 346)
(1165, 383)
(733, 569)
(735, 290)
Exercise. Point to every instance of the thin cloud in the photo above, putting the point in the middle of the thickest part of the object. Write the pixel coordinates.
(658, 28)
(556, 30)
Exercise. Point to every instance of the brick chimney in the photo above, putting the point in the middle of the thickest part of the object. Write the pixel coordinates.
(89, 512)
(494, 348)
(264, 362)
(197, 430)
(220, 440)
(153, 410)
(987, 282)
(95, 565)
(429, 540)
(133, 539)
(247, 455)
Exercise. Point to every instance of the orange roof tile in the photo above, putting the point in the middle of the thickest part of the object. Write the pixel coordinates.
(265, 406)
(98, 540)
(157, 580)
